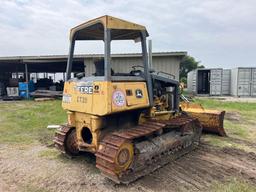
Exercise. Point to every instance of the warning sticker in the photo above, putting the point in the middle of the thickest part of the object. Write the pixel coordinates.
(118, 98)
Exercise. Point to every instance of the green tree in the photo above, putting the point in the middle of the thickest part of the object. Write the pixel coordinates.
(188, 64)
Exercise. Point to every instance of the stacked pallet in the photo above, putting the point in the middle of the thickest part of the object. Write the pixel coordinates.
(46, 94)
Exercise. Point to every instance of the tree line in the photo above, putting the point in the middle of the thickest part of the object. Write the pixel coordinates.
(188, 64)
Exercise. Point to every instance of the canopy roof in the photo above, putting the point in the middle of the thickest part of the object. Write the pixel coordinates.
(94, 29)
(57, 63)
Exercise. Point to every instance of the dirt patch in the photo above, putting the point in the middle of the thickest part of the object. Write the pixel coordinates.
(199, 169)
(243, 142)
(233, 116)
(26, 169)
(6, 187)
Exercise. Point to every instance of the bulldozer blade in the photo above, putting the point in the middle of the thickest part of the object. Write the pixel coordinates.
(211, 120)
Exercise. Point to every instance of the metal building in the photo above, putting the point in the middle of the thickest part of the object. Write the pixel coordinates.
(215, 81)
(243, 82)
(167, 62)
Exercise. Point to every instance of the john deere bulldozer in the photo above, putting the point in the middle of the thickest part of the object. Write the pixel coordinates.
(131, 121)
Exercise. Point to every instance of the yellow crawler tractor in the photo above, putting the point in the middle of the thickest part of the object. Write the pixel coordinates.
(131, 121)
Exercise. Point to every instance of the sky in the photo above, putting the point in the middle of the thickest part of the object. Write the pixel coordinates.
(219, 33)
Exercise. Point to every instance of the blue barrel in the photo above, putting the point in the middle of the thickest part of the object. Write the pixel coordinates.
(23, 94)
(26, 86)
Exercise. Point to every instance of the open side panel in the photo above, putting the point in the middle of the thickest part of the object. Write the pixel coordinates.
(203, 81)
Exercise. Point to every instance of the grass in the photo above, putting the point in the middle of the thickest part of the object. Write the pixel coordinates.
(247, 111)
(234, 185)
(227, 142)
(25, 122)
(219, 104)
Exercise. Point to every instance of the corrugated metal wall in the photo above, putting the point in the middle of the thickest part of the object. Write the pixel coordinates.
(226, 77)
(253, 86)
(233, 82)
(124, 65)
(244, 78)
(89, 66)
(168, 64)
(215, 81)
(191, 81)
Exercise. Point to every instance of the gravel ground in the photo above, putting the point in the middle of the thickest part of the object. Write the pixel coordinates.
(41, 168)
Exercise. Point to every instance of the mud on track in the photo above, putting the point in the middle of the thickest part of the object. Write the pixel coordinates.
(25, 170)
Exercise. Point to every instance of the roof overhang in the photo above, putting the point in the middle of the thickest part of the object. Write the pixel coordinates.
(57, 63)
(94, 29)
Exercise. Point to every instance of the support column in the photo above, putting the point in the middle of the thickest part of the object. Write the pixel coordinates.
(146, 67)
(150, 54)
(26, 74)
(107, 47)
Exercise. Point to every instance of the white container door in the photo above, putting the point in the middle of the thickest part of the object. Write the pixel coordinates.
(226, 76)
(191, 81)
(215, 81)
(244, 80)
(194, 81)
(253, 82)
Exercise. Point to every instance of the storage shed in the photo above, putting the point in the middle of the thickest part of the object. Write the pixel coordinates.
(17, 69)
(215, 81)
(243, 82)
(168, 62)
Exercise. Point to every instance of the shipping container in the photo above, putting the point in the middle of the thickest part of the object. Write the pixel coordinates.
(209, 81)
(243, 82)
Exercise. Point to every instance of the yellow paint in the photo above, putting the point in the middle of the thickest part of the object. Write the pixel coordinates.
(83, 102)
(197, 108)
(108, 22)
(129, 148)
(92, 122)
(211, 120)
(88, 109)
(103, 100)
